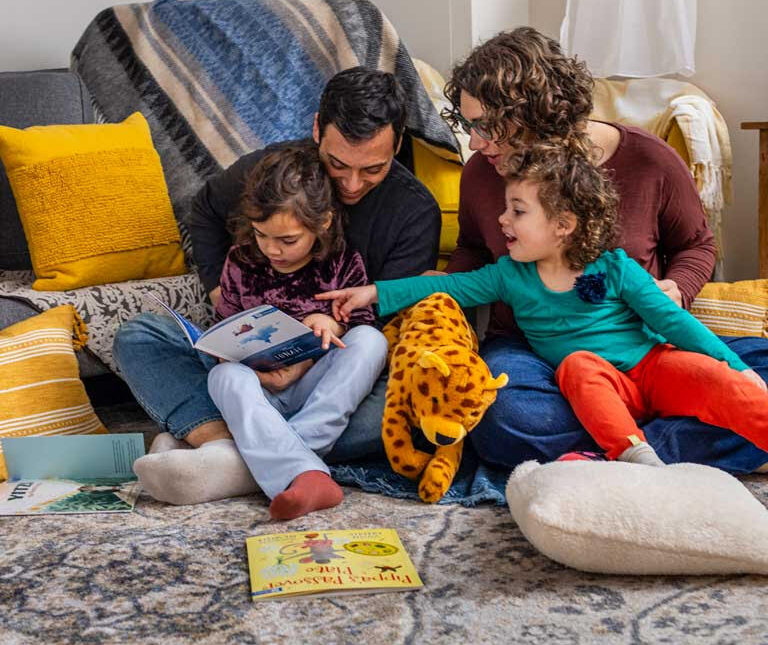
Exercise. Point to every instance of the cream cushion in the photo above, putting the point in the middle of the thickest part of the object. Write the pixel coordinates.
(615, 517)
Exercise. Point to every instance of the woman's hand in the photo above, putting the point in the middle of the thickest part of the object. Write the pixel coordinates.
(756, 379)
(280, 379)
(670, 289)
(327, 328)
(345, 301)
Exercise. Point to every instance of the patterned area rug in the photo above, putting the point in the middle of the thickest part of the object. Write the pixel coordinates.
(168, 574)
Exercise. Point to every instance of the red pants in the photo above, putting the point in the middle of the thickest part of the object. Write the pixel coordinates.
(667, 382)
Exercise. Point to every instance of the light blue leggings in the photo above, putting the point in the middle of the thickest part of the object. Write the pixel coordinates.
(285, 434)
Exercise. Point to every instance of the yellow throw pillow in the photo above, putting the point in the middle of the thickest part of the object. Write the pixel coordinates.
(441, 177)
(40, 388)
(93, 202)
(734, 308)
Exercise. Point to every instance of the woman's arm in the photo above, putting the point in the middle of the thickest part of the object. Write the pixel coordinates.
(685, 239)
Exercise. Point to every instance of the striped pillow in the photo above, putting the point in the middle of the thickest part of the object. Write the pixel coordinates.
(734, 308)
(40, 388)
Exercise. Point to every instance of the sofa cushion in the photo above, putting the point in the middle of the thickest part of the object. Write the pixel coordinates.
(33, 98)
(734, 308)
(13, 310)
(104, 307)
(93, 202)
(40, 391)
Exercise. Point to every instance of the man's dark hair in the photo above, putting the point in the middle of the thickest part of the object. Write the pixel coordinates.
(360, 101)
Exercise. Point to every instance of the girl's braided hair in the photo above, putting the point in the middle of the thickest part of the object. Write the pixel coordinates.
(568, 180)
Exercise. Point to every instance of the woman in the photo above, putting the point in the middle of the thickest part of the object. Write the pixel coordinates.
(516, 88)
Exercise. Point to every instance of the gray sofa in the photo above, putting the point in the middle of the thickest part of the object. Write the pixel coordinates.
(60, 97)
(35, 98)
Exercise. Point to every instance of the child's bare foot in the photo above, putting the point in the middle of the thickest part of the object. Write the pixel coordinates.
(313, 490)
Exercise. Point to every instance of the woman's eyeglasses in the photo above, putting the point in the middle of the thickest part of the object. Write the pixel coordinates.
(478, 125)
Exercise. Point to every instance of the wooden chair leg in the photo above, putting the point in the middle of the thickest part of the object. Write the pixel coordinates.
(762, 200)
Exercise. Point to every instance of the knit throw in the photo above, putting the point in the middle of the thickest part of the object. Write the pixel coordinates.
(219, 78)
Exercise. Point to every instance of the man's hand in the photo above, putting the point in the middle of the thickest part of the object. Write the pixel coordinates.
(669, 288)
(433, 272)
(279, 379)
(215, 296)
(756, 379)
(345, 301)
(327, 328)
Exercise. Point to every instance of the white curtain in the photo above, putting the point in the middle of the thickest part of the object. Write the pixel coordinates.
(633, 38)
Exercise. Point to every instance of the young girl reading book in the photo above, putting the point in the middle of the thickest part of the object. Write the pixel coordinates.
(291, 246)
(592, 312)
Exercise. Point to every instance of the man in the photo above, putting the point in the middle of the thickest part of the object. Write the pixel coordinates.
(392, 221)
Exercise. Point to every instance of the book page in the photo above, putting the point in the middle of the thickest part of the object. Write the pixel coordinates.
(263, 338)
(191, 331)
(65, 496)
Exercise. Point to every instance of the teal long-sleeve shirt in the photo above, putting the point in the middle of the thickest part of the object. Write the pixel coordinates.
(633, 317)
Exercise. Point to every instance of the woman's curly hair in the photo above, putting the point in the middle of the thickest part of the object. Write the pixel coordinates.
(568, 180)
(528, 88)
(291, 178)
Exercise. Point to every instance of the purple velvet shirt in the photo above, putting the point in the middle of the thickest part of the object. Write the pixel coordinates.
(247, 283)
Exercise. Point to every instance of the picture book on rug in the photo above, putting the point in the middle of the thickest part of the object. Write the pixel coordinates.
(263, 338)
(70, 474)
(321, 563)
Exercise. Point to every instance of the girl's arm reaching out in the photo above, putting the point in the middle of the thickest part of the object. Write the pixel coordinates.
(347, 300)
(469, 289)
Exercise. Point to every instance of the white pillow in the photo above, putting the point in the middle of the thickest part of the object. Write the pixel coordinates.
(616, 517)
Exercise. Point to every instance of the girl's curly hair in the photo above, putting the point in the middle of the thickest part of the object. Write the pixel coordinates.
(528, 88)
(291, 178)
(568, 180)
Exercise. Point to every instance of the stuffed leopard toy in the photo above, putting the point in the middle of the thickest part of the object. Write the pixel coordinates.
(437, 383)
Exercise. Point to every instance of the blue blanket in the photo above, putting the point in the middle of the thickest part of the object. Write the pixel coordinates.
(475, 482)
(219, 78)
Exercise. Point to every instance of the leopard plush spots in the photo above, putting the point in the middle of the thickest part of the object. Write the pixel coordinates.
(438, 383)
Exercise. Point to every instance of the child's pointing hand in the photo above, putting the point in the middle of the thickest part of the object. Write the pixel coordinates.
(345, 301)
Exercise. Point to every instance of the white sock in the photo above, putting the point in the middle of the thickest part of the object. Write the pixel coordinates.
(641, 453)
(165, 441)
(213, 471)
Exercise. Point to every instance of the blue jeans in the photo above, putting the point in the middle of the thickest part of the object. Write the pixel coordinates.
(169, 379)
(531, 420)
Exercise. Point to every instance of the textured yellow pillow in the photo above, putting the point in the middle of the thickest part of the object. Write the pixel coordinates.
(734, 308)
(40, 388)
(93, 202)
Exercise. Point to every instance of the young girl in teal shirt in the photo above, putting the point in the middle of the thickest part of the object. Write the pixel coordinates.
(623, 351)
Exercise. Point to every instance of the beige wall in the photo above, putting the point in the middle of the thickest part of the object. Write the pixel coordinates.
(40, 34)
(731, 48)
(441, 32)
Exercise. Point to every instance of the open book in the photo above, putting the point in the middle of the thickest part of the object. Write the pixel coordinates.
(71, 474)
(263, 338)
(329, 562)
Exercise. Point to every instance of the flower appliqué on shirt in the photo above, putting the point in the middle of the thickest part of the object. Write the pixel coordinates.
(591, 287)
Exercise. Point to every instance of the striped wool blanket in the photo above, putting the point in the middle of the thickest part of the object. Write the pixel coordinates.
(219, 78)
